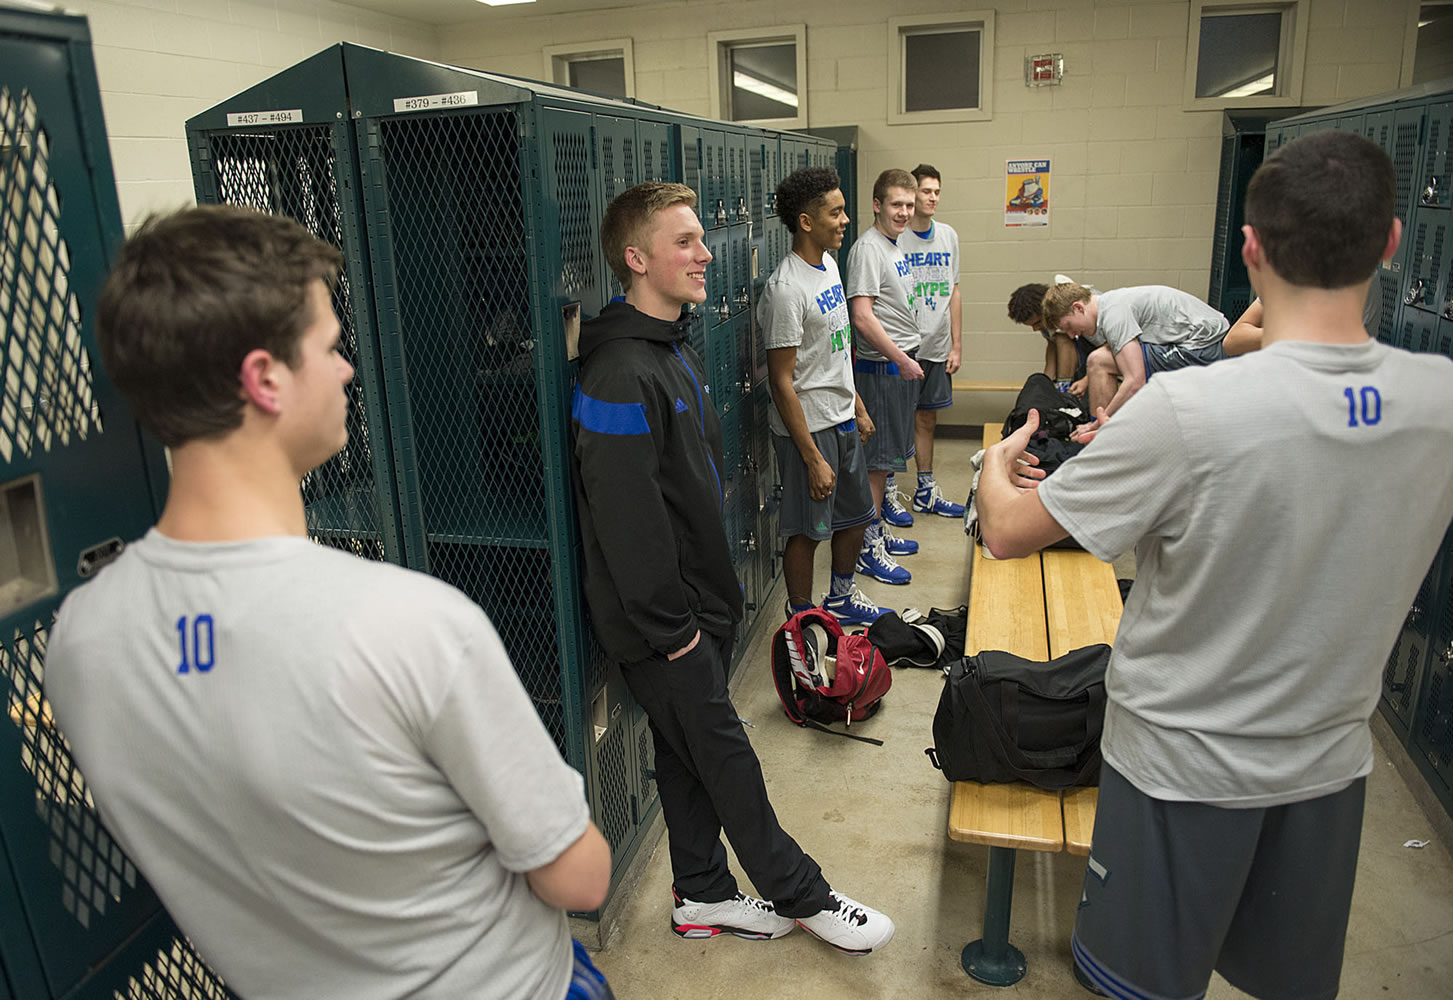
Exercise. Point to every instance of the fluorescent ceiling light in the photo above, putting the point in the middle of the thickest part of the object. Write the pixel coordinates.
(756, 85)
(503, 3)
(1258, 86)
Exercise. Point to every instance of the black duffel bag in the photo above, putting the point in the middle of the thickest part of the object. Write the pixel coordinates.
(1004, 718)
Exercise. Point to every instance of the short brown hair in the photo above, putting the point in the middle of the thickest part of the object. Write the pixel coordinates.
(893, 178)
(627, 217)
(1322, 207)
(1058, 300)
(925, 170)
(189, 296)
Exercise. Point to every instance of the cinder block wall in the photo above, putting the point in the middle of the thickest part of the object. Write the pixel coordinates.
(1134, 174)
(161, 61)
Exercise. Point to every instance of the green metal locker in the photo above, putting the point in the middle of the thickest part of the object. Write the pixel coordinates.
(79, 482)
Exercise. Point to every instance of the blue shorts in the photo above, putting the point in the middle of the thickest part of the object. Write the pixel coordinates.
(586, 981)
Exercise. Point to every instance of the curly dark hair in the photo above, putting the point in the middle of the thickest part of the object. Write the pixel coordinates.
(802, 189)
(1025, 303)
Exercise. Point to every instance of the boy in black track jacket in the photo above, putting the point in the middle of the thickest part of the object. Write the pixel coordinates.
(662, 590)
(660, 454)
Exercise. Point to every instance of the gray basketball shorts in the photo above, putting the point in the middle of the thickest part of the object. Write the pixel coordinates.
(1169, 357)
(936, 391)
(891, 401)
(848, 505)
(1174, 890)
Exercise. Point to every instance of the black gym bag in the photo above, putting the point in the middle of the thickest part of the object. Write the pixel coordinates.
(1004, 718)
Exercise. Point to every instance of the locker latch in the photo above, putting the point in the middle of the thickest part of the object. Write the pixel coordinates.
(721, 213)
(1415, 292)
(1432, 194)
(724, 311)
(742, 214)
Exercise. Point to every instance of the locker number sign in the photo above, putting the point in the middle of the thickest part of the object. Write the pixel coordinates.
(463, 99)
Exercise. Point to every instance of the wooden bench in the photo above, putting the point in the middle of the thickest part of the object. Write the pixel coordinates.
(1080, 604)
(972, 385)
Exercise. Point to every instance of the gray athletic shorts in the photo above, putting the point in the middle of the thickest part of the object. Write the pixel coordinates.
(1168, 357)
(891, 401)
(1174, 890)
(851, 501)
(936, 391)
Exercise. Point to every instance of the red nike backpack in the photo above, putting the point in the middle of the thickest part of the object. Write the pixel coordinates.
(825, 675)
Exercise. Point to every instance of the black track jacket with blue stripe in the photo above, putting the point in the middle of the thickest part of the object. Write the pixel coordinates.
(648, 481)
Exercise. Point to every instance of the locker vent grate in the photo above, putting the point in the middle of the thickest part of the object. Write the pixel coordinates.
(46, 389)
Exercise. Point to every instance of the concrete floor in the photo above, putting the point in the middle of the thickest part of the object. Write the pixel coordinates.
(875, 818)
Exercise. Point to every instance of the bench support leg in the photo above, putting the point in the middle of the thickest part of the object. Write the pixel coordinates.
(992, 959)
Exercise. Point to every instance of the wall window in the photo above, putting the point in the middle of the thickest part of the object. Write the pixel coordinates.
(759, 75)
(1433, 54)
(602, 67)
(941, 67)
(1245, 55)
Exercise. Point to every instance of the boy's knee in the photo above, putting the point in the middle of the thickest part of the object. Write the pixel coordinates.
(1100, 359)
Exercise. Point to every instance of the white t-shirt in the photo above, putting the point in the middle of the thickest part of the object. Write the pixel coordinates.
(804, 307)
(1284, 507)
(326, 767)
(934, 259)
(876, 267)
(1158, 314)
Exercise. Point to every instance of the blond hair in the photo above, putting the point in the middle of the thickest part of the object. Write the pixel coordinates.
(1058, 302)
(628, 217)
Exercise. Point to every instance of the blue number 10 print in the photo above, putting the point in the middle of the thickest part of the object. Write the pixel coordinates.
(202, 649)
(1371, 401)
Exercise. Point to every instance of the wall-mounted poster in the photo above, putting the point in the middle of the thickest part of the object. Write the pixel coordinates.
(1026, 193)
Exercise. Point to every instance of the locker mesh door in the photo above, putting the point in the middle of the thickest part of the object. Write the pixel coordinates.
(1401, 676)
(295, 172)
(1432, 184)
(1425, 264)
(1432, 738)
(78, 898)
(1407, 128)
(619, 171)
(484, 446)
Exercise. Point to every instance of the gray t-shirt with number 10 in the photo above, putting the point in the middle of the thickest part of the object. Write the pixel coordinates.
(326, 766)
(804, 307)
(1158, 314)
(1284, 507)
(877, 267)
